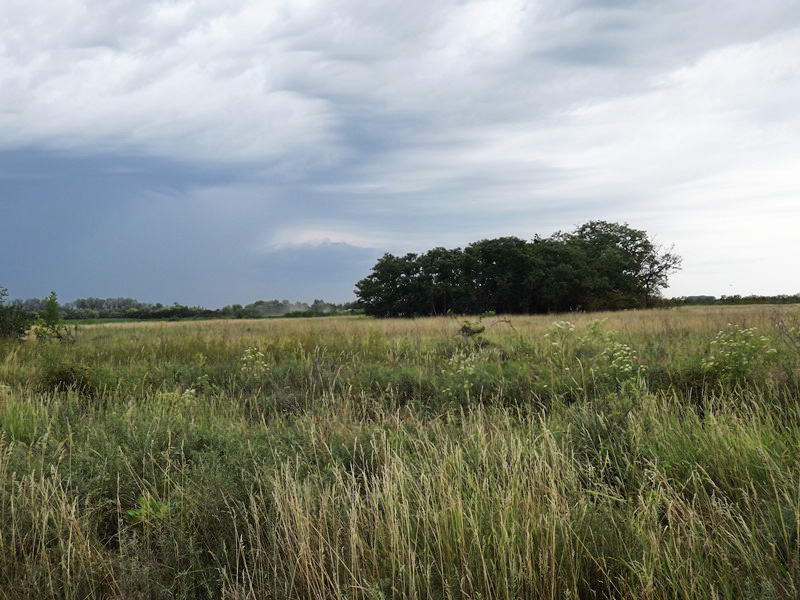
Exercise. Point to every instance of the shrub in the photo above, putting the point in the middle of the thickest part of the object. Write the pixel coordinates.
(65, 376)
(470, 329)
(50, 326)
(14, 321)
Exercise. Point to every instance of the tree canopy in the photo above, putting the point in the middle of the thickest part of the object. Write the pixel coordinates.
(598, 266)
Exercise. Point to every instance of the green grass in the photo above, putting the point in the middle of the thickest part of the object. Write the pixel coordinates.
(349, 458)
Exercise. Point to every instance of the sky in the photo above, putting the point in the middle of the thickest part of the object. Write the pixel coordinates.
(221, 151)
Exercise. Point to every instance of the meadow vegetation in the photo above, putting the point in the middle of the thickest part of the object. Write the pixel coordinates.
(649, 454)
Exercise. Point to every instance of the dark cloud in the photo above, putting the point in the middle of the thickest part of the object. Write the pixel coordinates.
(217, 151)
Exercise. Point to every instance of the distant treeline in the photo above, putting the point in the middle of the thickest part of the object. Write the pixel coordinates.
(598, 266)
(130, 308)
(730, 300)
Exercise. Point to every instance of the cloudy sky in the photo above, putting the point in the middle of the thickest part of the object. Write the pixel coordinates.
(218, 151)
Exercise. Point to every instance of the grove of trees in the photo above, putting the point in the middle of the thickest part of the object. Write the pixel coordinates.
(598, 266)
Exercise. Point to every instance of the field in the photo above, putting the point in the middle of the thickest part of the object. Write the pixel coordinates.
(632, 455)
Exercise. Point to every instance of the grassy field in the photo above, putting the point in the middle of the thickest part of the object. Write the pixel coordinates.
(633, 455)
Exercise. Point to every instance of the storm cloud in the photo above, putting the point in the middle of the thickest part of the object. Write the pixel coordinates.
(217, 151)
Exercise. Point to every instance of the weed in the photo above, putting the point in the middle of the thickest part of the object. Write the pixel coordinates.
(253, 364)
(738, 352)
(149, 511)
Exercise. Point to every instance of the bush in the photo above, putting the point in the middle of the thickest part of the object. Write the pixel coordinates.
(70, 376)
(50, 325)
(14, 322)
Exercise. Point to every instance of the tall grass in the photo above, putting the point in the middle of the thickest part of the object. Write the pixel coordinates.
(625, 457)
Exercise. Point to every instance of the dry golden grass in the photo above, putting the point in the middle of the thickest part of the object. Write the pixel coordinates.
(652, 321)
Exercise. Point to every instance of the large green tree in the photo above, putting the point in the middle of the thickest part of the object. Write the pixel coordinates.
(626, 267)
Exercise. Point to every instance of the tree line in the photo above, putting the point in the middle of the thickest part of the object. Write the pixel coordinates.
(130, 308)
(598, 266)
(734, 299)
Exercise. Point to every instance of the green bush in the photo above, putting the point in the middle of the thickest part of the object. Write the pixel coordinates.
(50, 325)
(14, 322)
(70, 376)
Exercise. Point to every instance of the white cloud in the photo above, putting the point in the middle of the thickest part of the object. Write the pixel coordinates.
(294, 237)
(149, 79)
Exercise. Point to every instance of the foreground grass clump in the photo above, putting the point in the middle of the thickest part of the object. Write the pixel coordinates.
(646, 454)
